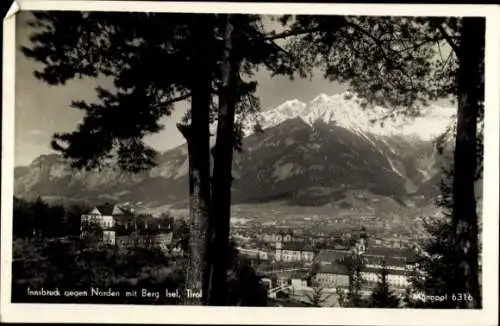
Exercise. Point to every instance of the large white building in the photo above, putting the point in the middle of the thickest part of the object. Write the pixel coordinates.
(105, 217)
(121, 227)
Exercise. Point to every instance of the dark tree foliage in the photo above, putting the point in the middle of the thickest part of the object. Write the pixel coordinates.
(435, 268)
(383, 296)
(318, 297)
(73, 265)
(244, 285)
(40, 219)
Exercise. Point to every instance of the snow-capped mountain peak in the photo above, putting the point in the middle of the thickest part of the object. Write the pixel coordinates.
(288, 109)
(320, 98)
(345, 110)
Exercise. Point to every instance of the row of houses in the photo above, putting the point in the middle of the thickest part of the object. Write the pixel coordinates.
(279, 252)
(122, 227)
(263, 237)
(276, 236)
(273, 235)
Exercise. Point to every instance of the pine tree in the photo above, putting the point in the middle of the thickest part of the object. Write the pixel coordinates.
(317, 297)
(382, 296)
(245, 287)
(435, 267)
(353, 297)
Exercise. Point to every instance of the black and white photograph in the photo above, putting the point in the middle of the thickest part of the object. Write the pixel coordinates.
(302, 158)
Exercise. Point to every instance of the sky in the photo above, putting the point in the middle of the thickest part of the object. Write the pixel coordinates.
(42, 110)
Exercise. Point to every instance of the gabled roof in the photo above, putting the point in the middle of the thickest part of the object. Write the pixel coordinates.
(340, 269)
(106, 209)
(296, 246)
(379, 271)
(331, 256)
(404, 254)
(334, 268)
(110, 209)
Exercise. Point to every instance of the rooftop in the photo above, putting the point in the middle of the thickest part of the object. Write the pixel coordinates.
(331, 255)
(111, 209)
(106, 209)
(296, 246)
(404, 254)
(333, 269)
(379, 270)
(340, 269)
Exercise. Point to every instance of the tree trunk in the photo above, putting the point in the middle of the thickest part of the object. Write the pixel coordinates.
(197, 137)
(222, 176)
(465, 220)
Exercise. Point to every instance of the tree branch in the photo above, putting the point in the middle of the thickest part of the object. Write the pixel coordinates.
(177, 99)
(440, 52)
(377, 41)
(381, 47)
(260, 36)
(418, 45)
(291, 32)
(448, 38)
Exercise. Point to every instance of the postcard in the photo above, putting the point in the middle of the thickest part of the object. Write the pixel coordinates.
(264, 163)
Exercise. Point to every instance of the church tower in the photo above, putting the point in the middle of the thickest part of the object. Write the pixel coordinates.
(363, 241)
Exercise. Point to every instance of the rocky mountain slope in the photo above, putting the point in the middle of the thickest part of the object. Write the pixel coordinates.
(309, 154)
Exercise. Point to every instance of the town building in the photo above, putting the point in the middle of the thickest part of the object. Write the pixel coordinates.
(275, 236)
(254, 253)
(332, 275)
(121, 227)
(288, 252)
(104, 218)
(395, 277)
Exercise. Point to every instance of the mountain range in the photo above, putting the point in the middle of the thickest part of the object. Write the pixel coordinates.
(309, 154)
